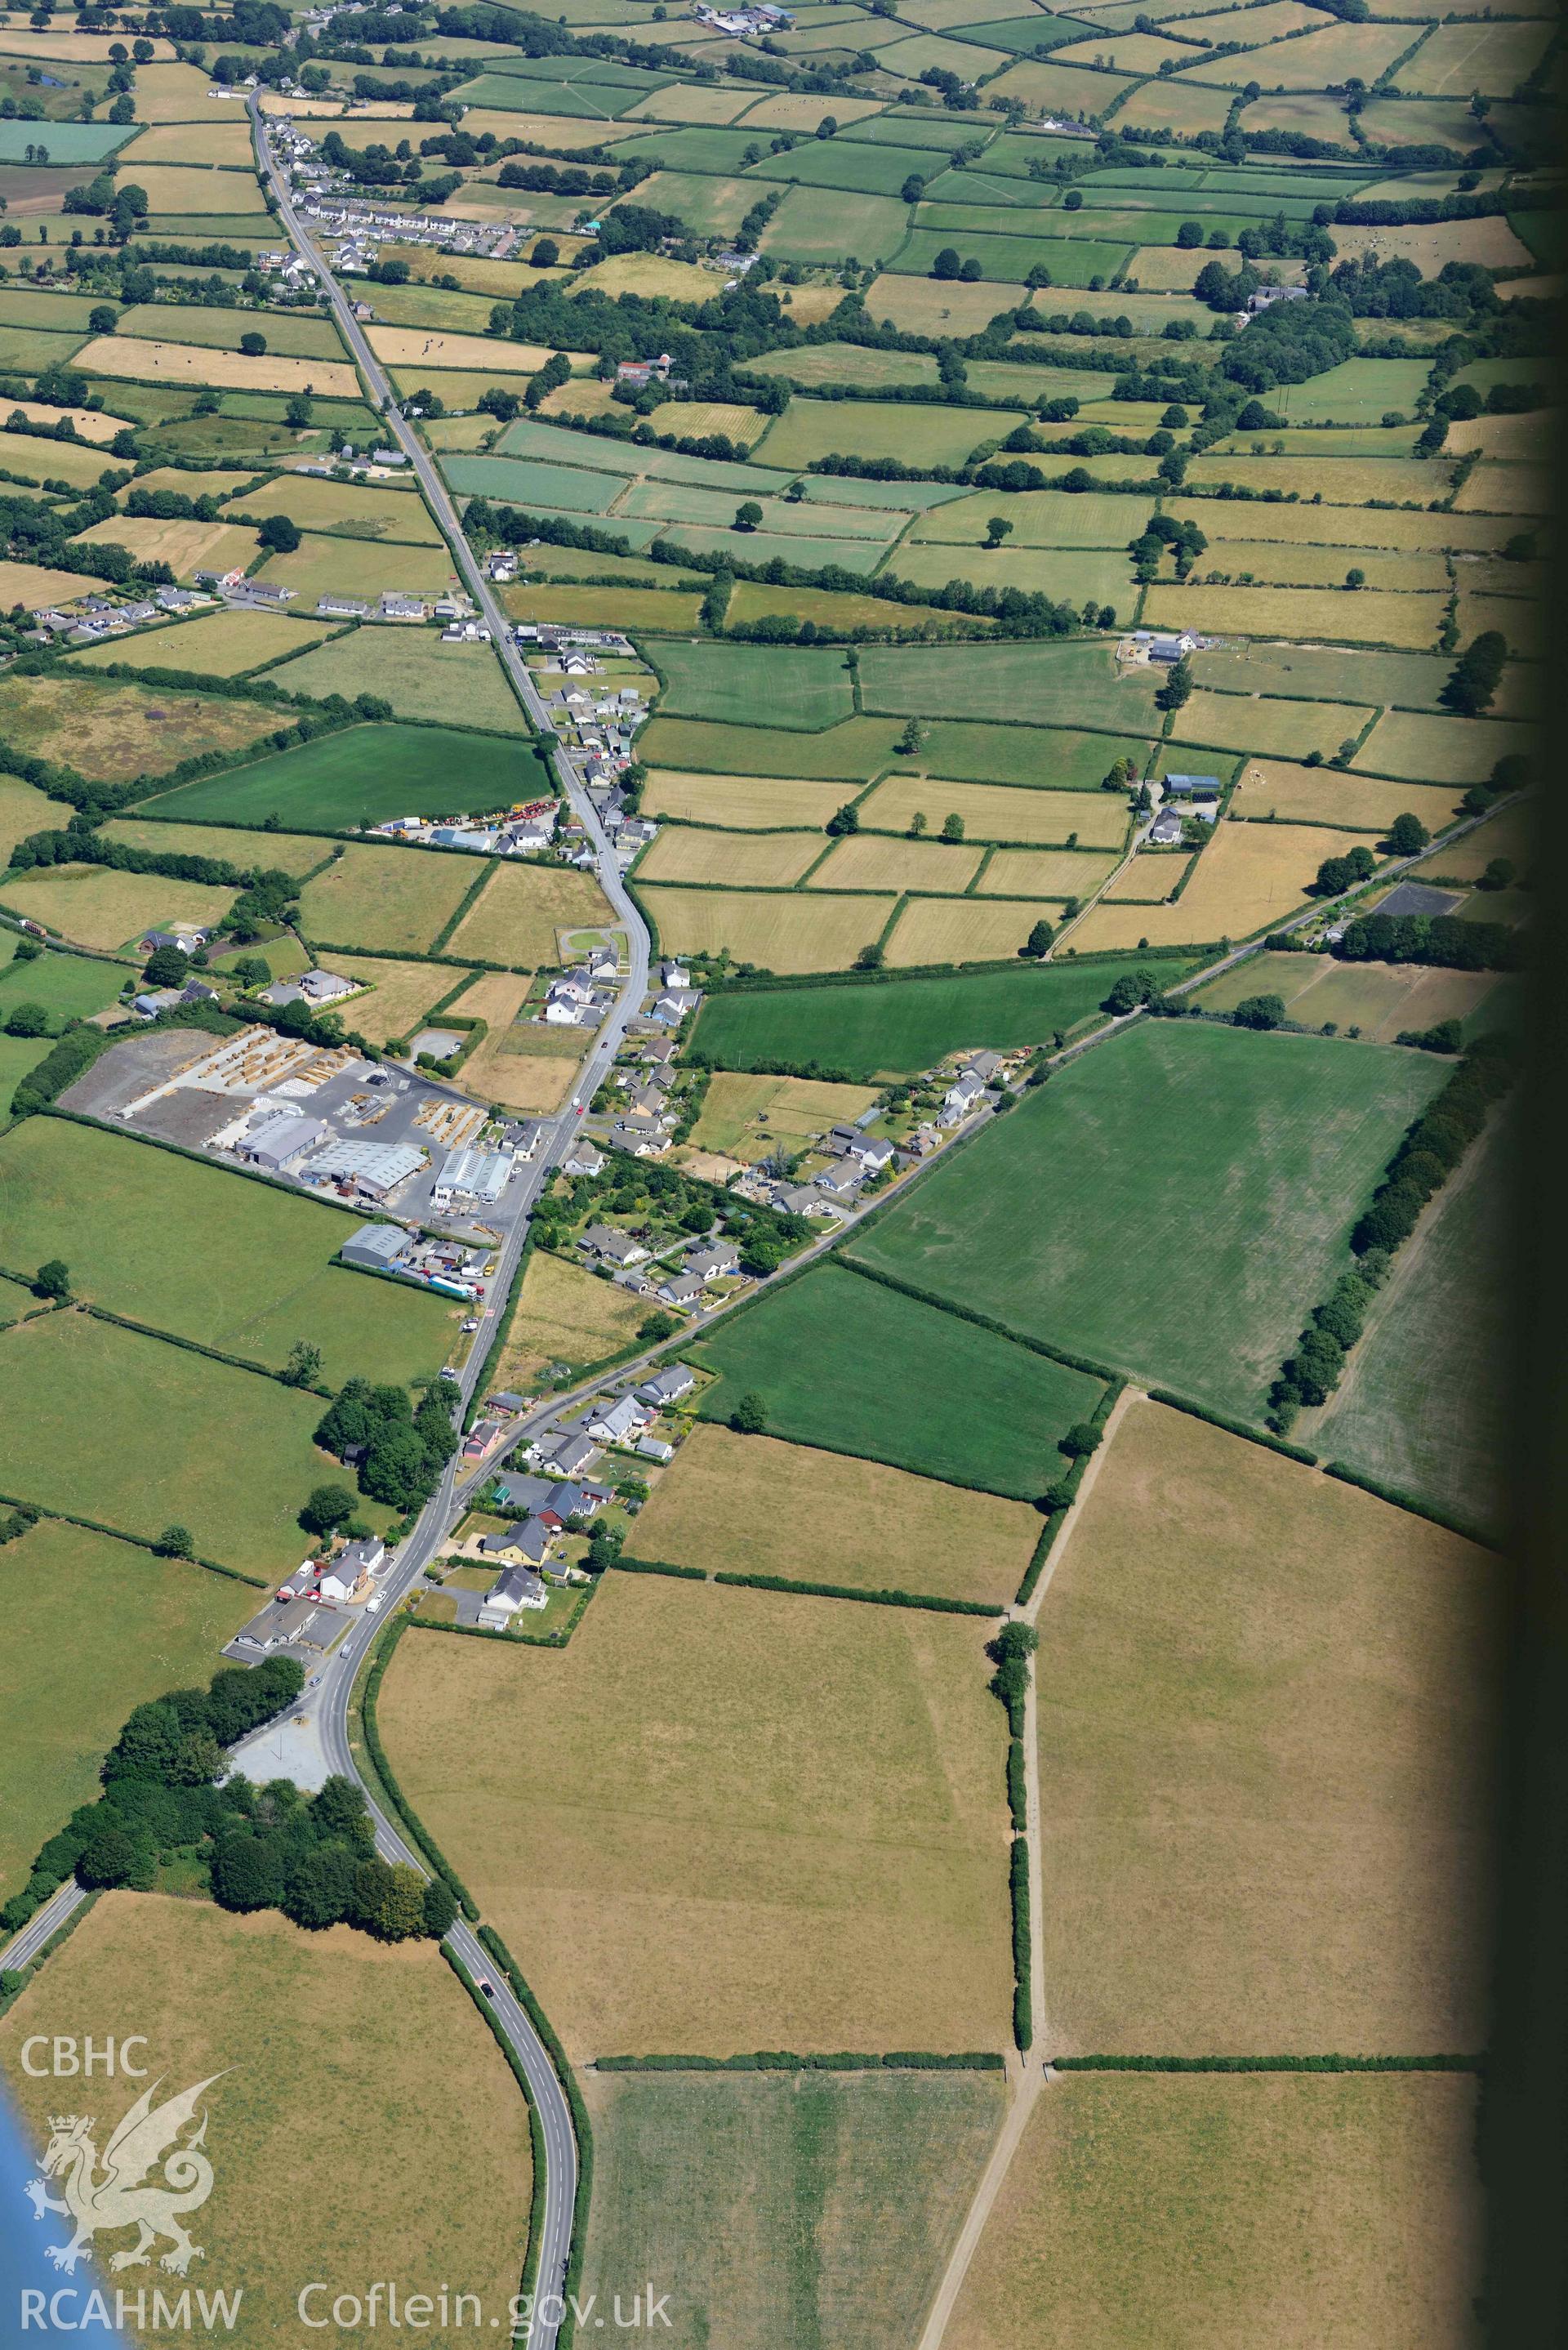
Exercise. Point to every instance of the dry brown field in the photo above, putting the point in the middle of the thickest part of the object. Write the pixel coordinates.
(795, 1837)
(740, 860)
(1296, 563)
(1510, 833)
(393, 899)
(1221, 520)
(140, 361)
(1431, 748)
(1148, 880)
(1267, 1709)
(999, 811)
(564, 1314)
(1490, 242)
(1506, 490)
(1368, 615)
(403, 993)
(216, 143)
(525, 1081)
(1045, 873)
(787, 930)
(750, 1505)
(94, 906)
(312, 2083)
(418, 348)
(217, 644)
(1249, 876)
(1207, 2212)
(751, 802)
(186, 546)
(34, 584)
(519, 910)
(177, 93)
(877, 861)
(289, 852)
(965, 930)
(926, 305)
(361, 512)
(1328, 795)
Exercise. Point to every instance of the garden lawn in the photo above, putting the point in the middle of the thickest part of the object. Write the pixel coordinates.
(140, 1434)
(1171, 1204)
(897, 1028)
(735, 683)
(1269, 1710)
(1423, 1405)
(452, 685)
(754, 2191)
(1200, 2211)
(854, 1366)
(795, 1838)
(365, 774)
(251, 1272)
(750, 1505)
(309, 2079)
(97, 1626)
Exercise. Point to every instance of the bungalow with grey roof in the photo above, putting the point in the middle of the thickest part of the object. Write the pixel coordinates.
(681, 1289)
(668, 1385)
(518, 1587)
(610, 1245)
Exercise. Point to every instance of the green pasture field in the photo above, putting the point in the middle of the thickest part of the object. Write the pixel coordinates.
(858, 555)
(830, 164)
(203, 1253)
(912, 434)
(896, 1029)
(710, 204)
(296, 335)
(554, 444)
(452, 685)
(69, 987)
(808, 690)
(365, 774)
(287, 852)
(835, 363)
(1424, 1402)
(1039, 518)
(966, 1406)
(1072, 261)
(525, 481)
(17, 1056)
(1318, 673)
(1064, 684)
(754, 2191)
(853, 750)
(393, 900)
(1357, 391)
(826, 225)
(130, 1432)
(1424, 749)
(1119, 1212)
(97, 1626)
(1068, 575)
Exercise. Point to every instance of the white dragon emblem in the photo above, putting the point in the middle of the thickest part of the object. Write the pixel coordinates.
(98, 2204)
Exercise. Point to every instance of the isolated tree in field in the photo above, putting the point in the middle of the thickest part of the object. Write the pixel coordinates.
(952, 826)
(253, 345)
(278, 535)
(1038, 943)
(750, 1417)
(175, 1542)
(1339, 873)
(302, 1367)
(946, 263)
(296, 414)
(328, 1508)
(1355, 577)
(1259, 1012)
(1407, 836)
(1476, 675)
(997, 529)
(53, 1280)
(912, 736)
(870, 958)
(748, 515)
(913, 189)
(102, 318)
(1177, 687)
(27, 1020)
(919, 822)
(546, 253)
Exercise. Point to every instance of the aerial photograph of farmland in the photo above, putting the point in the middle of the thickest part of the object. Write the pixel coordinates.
(775, 812)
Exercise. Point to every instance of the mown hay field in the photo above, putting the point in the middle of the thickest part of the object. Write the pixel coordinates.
(120, 731)
(745, 1117)
(1327, 525)
(914, 435)
(1293, 564)
(360, 513)
(1147, 881)
(926, 305)
(1348, 482)
(536, 1077)
(1378, 999)
(185, 546)
(294, 2025)
(1268, 1717)
(402, 994)
(1248, 877)
(517, 916)
(750, 1505)
(564, 1314)
(140, 360)
(1327, 795)
(1100, 1168)
(854, 750)
(1195, 2211)
(287, 852)
(1424, 1403)
(1509, 833)
(968, 930)
(98, 1626)
(754, 2191)
(737, 859)
(656, 608)
(997, 812)
(418, 348)
(750, 803)
(967, 1405)
(253, 1271)
(796, 1837)
(303, 336)
(1261, 723)
(737, 683)
(452, 685)
(94, 906)
(151, 1461)
(1368, 615)
(217, 644)
(876, 861)
(327, 562)
(782, 931)
(1070, 684)
(25, 810)
(1044, 873)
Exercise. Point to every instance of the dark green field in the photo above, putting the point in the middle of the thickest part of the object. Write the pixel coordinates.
(69, 987)
(846, 1363)
(364, 776)
(896, 1028)
(1173, 1203)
